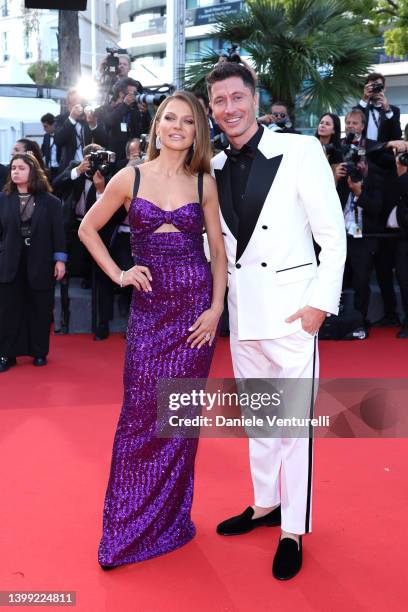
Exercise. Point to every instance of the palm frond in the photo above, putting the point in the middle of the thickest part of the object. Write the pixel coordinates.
(312, 52)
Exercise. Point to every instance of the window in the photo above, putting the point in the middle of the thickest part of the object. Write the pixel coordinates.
(53, 44)
(195, 49)
(108, 16)
(4, 8)
(27, 52)
(5, 41)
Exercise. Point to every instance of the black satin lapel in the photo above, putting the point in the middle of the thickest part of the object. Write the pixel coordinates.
(223, 178)
(261, 177)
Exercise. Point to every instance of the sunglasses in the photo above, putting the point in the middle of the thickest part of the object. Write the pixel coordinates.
(280, 115)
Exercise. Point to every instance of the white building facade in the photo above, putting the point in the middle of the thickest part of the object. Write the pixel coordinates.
(143, 31)
(39, 41)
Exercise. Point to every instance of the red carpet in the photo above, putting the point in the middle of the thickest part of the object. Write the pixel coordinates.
(57, 427)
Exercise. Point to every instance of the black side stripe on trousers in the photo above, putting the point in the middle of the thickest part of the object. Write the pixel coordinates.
(310, 452)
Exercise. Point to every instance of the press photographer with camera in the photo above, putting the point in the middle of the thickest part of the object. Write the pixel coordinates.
(360, 186)
(393, 249)
(81, 184)
(382, 118)
(115, 64)
(279, 119)
(76, 129)
(123, 116)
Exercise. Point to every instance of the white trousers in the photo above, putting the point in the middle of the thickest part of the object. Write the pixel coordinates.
(281, 468)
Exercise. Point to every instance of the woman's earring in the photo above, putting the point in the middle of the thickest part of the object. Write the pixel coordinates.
(158, 142)
(194, 145)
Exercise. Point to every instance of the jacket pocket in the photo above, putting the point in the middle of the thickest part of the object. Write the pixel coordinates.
(296, 273)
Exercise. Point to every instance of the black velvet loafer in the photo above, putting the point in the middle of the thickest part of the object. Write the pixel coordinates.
(6, 363)
(40, 361)
(243, 523)
(288, 559)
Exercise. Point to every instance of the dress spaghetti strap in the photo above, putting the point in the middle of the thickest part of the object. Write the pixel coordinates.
(200, 187)
(137, 182)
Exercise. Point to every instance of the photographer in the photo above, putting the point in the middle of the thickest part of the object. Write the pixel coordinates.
(360, 188)
(123, 117)
(82, 183)
(120, 65)
(50, 151)
(279, 120)
(382, 119)
(393, 251)
(76, 129)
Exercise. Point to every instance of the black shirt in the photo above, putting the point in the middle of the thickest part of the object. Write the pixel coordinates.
(241, 163)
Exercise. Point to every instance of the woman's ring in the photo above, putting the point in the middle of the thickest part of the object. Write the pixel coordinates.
(207, 337)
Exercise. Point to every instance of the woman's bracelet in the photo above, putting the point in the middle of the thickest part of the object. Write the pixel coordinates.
(122, 274)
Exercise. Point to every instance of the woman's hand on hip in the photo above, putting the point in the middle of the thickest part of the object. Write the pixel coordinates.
(204, 329)
(139, 277)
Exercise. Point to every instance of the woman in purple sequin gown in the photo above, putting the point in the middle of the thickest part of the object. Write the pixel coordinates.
(172, 327)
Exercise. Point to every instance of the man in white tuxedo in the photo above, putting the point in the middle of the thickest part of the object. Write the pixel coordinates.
(276, 191)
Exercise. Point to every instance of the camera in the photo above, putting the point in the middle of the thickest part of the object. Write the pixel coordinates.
(151, 98)
(111, 67)
(352, 155)
(376, 88)
(220, 142)
(353, 172)
(144, 143)
(403, 159)
(102, 160)
(232, 55)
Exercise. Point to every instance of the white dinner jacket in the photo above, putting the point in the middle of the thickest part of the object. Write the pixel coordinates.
(272, 270)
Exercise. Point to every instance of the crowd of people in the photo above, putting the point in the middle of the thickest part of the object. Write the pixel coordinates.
(84, 147)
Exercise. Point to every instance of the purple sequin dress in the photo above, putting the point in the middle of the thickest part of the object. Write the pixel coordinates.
(150, 490)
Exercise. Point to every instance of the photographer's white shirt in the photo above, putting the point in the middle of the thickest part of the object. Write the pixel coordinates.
(374, 120)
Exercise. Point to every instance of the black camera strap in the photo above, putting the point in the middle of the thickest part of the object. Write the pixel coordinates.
(374, 116)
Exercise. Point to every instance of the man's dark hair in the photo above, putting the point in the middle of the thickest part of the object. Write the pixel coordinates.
(92, 148)
(201, 96)
(48, 118)
(123, 84)
(226, 70)
(373, 76)
(280, 103)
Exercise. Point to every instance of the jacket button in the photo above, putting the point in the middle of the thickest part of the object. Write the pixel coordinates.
(264, 227)
(263, 264)
(237, 265)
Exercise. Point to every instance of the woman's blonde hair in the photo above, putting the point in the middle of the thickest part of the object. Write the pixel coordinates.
(198, 158)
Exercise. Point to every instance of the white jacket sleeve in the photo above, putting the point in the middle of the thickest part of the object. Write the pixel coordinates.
(317, 192)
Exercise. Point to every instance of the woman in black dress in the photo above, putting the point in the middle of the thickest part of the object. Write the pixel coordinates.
(329, 132)
(32, 256)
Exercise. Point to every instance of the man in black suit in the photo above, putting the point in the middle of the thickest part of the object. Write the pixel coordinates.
(361, 201)
(80, 191)
(124, 118)
(393, 251)
(50, 150)
(382, 119)
(76, 129)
